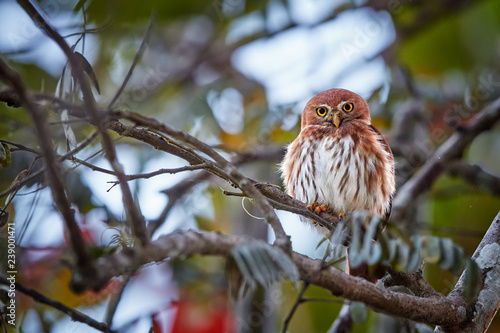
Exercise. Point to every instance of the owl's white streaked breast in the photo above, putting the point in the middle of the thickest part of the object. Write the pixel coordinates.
(332, 172)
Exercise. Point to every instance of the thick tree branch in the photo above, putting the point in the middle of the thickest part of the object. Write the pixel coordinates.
(445, 311)
(487, 256)
(450, 150)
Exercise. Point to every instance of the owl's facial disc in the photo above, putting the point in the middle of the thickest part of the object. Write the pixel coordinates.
(329, 115)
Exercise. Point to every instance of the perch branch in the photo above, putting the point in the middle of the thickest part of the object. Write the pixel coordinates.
(189, 243)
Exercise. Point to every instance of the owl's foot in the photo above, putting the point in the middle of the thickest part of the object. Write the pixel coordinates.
(341, 216)
(317, 208)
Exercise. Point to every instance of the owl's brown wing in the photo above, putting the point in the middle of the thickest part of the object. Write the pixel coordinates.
(386, 147)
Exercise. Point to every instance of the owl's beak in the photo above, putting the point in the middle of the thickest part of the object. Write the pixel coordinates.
(336, 119)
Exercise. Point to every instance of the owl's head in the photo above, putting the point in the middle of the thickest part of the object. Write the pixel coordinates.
(335, 107)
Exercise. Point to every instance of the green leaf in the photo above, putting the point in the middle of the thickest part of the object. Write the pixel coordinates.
(459, 260)
(375, 254)
(431, 251)
(260, 264)
(68, 131)
(392, 247)
(4, 297)
(5, 155)
(471, 281)
(79, 6)
(4, 217)
(448, 257)
(403, 255)
(337, 240)
(355, 250)
(372, 251)
(80, 192)
(87, 68)
(101, 251)
(422, 328)
(339, 234)
(415, 253)
(358, 312)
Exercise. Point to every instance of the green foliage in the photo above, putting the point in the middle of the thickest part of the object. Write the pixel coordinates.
(453, 43)
(472, 283)
(87, 68)
(458, 44)
(5, 158)
(133, 12)
(4, 217)
(358, 312)
(81, 195)
(373, 243)
(259, 264)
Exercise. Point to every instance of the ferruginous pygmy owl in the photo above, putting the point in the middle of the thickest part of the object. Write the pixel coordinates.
(340, 161)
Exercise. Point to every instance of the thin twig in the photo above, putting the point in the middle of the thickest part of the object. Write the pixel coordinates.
(21, 147)
(73, 314)
(165, 171)
(175, 193)
(32, 176)
(99, 119)
(115, 298)
(294, 308)
(52, 169)
(234, 194)
(228, 169)
(137, 57)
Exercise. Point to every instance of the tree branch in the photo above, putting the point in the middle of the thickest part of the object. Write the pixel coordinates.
(445, 311)
(52, 170)
(294, 308)
(99, 119)
(483, 310)
(278, 199)
(450, 150)
(475, 175)
(73, 314)
(413, 281)
(233, 174)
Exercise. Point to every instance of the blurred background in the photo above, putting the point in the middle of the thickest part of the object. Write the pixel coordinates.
(236, 74)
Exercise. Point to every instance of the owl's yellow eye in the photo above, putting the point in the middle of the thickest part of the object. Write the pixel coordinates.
(348, 107)
(321, 111)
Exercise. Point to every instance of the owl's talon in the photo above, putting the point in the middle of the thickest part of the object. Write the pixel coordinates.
(341, 216)
(317, 208)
